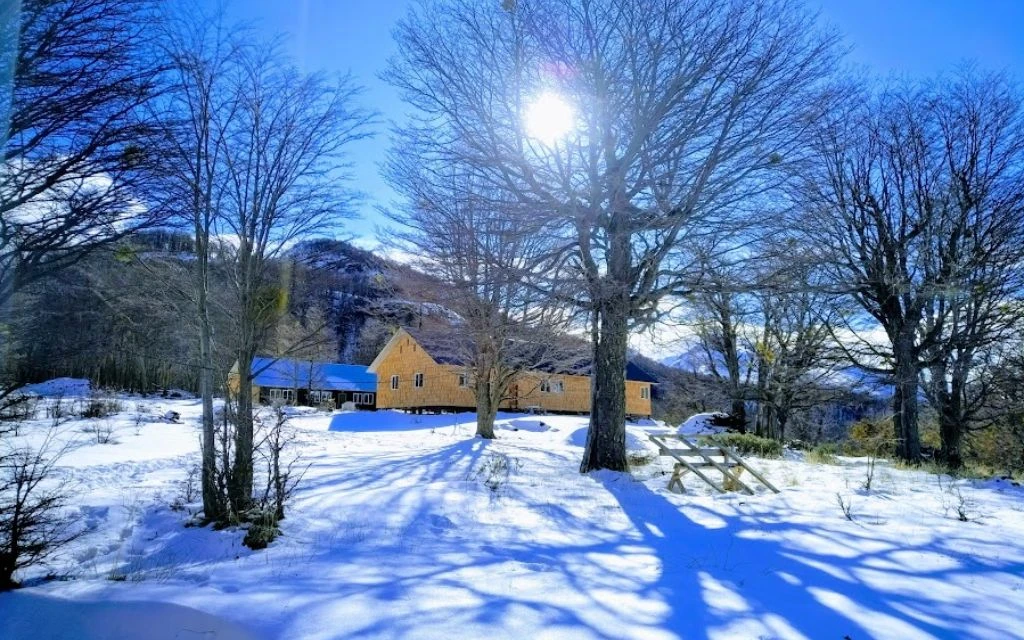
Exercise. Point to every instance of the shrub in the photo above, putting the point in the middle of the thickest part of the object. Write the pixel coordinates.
(261, 532)
(103, 431)
(34, 518)
(496, 470)
(998, 450)
(871, 437)
(748, 444)
(823, 454)
(16, 407)
(100, 407)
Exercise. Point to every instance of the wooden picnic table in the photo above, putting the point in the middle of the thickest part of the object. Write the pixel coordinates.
(731, 465)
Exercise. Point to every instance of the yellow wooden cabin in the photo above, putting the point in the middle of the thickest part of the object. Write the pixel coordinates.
(415, 372)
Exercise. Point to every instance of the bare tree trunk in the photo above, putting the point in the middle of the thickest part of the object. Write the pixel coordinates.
(739, 413)
(908, 442)
(486, 410)
(781, 418)
(951, 426)
(240, 487)
(606, 437)
(213, 507)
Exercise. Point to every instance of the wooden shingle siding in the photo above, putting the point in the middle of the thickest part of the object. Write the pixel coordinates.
(404, 357)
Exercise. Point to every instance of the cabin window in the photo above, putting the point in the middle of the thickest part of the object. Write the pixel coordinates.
(317, 397)
(281, 395)
(362, 398)
(552, 386)
(417, 380)
(645, 393)
(463, 380)
(394, 382)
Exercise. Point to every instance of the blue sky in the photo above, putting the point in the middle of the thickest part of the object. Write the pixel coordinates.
(888, 37)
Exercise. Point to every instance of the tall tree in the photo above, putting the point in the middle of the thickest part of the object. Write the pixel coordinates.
(793, 347)
(671, 113)
(914, 207)
(283, 179)
(979, 124)
(200, 101)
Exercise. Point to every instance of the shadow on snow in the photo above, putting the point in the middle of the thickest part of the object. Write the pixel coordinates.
(396, 550)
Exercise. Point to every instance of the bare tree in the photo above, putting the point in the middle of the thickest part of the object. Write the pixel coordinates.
(794, 353)
(979, 122)
(721, 315)
(283, 179)
(479, 250)
(913, 208)
(200, 99)
(33, 521)
(683, 110)
(75, 150)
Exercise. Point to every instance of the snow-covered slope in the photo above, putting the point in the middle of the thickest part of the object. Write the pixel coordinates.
(409, 527)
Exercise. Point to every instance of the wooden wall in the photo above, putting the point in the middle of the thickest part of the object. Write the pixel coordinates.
(441, 387)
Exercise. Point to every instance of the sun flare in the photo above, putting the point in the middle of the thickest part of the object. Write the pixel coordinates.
(549, 118)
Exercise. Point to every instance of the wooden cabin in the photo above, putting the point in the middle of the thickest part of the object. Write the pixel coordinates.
(416, 371)
(302, 382)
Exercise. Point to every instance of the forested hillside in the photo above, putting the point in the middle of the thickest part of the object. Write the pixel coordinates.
(119, 317)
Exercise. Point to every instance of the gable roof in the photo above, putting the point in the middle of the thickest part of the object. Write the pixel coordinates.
(304, 374)
(636, 373)
(448, 347)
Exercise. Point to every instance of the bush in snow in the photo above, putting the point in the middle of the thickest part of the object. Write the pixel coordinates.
(279, 475)
(188, 489)
(100, 407)
(846, 506)
(748, 444)
(17, 407)
(496, 470)
(823, 454)
(260, 534)
(33, 519)
(102, 430)
(640, 458)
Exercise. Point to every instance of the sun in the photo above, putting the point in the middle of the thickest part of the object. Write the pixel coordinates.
(549, 118)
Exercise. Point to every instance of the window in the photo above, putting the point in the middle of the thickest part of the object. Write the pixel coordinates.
(417, 380)
(463, 380)
(645, 393)
(394, 382)
(362, 398)
(552, 386)
(281, 395)
(316, 397)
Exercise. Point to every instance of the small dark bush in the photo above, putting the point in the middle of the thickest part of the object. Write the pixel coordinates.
(260, 535)
(101, 408)
(748, 444)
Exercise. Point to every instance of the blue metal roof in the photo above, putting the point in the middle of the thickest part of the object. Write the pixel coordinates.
(303, 374)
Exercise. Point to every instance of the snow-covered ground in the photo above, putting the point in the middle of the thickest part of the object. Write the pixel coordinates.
(408, 527)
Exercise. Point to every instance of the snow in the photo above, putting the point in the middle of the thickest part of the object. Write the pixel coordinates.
(409, 527)
(700, 425)
(66, 387)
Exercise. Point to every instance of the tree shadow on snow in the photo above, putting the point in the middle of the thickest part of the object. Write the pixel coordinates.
(396, 421)
(676, 568)
(739, 573)
(408, 542)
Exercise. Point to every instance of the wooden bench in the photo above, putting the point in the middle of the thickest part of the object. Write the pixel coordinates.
(731, 465)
